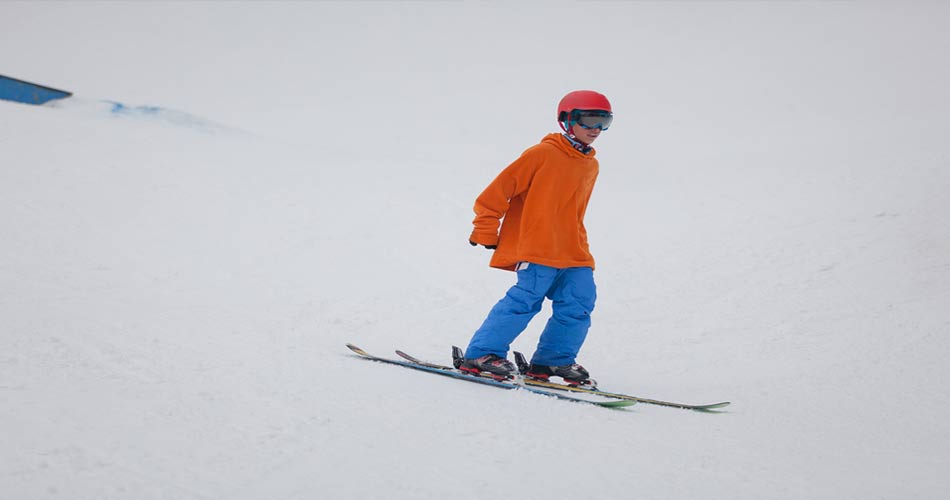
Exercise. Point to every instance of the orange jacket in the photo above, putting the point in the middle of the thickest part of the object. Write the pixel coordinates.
(542, 197)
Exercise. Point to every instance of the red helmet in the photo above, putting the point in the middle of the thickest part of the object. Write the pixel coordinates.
(581, 99)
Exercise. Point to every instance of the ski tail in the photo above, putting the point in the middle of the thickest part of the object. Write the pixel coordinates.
(458, 356)
(521, 363)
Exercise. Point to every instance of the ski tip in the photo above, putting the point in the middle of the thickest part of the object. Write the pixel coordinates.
(357, 350)
(406, 356)
(710, 407)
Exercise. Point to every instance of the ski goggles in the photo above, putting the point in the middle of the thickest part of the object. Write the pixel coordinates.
(593, 119)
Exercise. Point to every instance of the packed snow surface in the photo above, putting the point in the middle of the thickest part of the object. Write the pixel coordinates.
(238, 189)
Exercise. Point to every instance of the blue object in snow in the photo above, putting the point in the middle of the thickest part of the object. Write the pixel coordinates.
(121, 109)
(15, 90)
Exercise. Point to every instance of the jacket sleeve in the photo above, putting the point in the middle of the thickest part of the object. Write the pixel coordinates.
(493, 203)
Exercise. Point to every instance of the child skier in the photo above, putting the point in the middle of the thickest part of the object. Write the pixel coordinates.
(540, 201)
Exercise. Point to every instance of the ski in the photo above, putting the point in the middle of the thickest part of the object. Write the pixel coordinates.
(533, 383)
(510, 385)
(522, 364)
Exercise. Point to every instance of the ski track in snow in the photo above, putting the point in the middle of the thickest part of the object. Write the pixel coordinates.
(176, 291)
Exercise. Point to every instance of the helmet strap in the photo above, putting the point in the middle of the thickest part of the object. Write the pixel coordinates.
(568, 126)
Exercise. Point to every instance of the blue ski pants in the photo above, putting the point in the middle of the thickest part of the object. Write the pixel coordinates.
(572, 292)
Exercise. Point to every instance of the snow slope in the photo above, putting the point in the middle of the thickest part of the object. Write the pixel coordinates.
(176, 288)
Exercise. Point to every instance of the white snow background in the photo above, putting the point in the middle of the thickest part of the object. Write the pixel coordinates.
(177, 285)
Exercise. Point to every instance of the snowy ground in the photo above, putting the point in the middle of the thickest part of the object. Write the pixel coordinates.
(176, 286)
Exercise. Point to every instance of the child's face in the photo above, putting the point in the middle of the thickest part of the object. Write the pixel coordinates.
(585, 135)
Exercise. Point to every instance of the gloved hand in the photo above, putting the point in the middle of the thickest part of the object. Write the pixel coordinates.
(489, 247)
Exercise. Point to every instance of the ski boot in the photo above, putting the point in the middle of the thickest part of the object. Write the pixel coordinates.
(572, 374)
(488, 365)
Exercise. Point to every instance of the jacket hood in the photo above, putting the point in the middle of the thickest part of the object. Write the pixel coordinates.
(562, 143)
